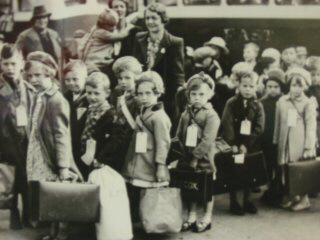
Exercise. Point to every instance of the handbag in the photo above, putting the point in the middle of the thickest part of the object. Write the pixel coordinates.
(64, 202)
(196, 186)
(7, 177)
(302, 177)
(161, 210)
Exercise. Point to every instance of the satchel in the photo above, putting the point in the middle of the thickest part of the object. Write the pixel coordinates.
(7, 177)
(196, 186)
(302, 177)
(161, 210)
(64, 202)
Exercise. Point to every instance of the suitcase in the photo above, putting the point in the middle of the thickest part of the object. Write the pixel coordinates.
(302, 177)
(64, 202)
(232, 176)
(196, 186)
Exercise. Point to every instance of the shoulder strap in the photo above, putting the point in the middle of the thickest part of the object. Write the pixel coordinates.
(143, 123)
(127, 114)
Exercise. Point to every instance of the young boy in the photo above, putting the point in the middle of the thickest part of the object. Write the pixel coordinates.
(289, 57)
(274, 87)
(75, 74)
(127, 70)
(15, 103)
(242, 126)
(250, 53)
(97, 138)
(272, 53)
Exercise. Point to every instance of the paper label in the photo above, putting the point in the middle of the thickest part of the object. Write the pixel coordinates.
(238, 158)
(141, 142)
(80, 112)
(21, 115)
(88, 157)
(245, 128)
(292, 117)
(192, 136)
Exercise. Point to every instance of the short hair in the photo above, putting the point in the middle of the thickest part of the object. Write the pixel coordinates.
(126, 2)
(271, 52)
(108, 17)
(75, 66)
(49, 72)
(239, 69)
(151, 77)
(48, 62)
(250, 74)
(263, 63)
(313, 63)
(159, 9)
(9, 50)
(195, 82)
(127, 63)
(96, 78)
(253, 45)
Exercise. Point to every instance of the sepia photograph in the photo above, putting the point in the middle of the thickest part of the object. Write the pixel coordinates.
(159, 119)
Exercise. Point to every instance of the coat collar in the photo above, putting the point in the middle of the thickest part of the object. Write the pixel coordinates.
(6, 90)
(148, 112)
(288, 98)
(52, 90)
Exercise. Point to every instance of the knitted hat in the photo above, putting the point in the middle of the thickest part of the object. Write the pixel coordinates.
(276, 75)
(298, 71)
(44, 58)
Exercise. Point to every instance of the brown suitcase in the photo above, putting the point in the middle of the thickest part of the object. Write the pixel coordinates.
(64, 202)
(302, 177)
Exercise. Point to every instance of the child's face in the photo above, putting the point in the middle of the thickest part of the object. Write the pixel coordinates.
(126, 80)
(12, 67)
(74, 82)
(247, 87)
(199, 97)
(249, 54)
(96, 95)
(273, 88)
(296, 88)
(37, 78)
(146, 96)
(289, 56)
(302, 55)
(315, 76)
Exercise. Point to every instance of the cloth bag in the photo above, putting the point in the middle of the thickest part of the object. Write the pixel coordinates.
(161, 210)
(7, 175)
(115, 220)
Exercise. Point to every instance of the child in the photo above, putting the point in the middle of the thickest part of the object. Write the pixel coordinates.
(127, 70)
(273, 53)
(200, 154)
(98, 142)
(145, 164)
(295, 128)
(264, 65)
(302, 54)
(75, 74)
(250, 54)
(288, 57)
(49, 155)
(274, 87)
(15, 103)
(242, 126)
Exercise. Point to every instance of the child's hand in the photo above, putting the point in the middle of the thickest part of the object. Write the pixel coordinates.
(308, 153)
(235, 149)
(194, 163)
(162, 173)
(64, 174)
(243, 149)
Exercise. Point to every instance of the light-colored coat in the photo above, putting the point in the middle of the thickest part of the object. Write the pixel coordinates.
(143, 166)
(292, 141)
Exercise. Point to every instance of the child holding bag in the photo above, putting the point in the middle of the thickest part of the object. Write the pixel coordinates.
(197, 130)
(295, 128)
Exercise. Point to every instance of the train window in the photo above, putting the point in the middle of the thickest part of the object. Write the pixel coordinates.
(164, 2)
(298, 2)
(201, 2)
(74, 2)
(247, 2)
(26, 5)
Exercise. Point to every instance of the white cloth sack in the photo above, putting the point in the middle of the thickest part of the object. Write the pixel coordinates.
(115, 220)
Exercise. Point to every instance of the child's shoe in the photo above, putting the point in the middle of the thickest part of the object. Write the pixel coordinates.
(302, 205)
(249, 207)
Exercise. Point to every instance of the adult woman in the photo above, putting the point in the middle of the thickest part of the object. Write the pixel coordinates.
(162, 52)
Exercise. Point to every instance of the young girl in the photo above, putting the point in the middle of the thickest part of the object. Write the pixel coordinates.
(200, 154)
(49, 155)
(295, 128)
(145, 164)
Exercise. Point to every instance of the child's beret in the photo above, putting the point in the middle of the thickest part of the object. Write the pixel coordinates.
(44, 58)
(298, 71)
(276, 75)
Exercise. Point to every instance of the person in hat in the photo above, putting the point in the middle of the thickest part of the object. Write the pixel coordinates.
(274, 86)
(49, 153)
(295, 128)
(289, 57)
(39, 37)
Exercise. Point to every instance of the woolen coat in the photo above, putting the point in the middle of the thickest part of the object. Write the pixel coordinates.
(207, 122)
(292, 141)
(156, 124)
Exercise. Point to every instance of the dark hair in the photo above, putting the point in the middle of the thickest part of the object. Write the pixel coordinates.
(8, 50)
(263, 63)
(126, 2)
(159, 9)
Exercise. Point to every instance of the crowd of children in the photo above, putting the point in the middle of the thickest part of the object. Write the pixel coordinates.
(57, 129)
